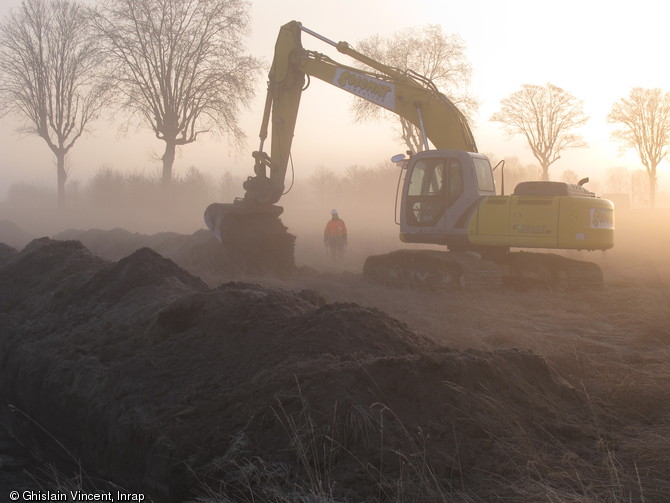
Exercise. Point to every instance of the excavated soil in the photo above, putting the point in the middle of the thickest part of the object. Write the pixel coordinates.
(149, 378)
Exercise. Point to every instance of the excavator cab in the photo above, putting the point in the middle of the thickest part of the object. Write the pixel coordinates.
(449, 198)
(440, 188)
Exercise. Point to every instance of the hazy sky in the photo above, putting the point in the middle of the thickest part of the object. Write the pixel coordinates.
(596, 50)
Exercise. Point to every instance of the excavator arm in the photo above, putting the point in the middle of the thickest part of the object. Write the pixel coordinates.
(406, 94)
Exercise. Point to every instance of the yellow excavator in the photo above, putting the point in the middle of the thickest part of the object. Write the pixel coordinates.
(448, 194)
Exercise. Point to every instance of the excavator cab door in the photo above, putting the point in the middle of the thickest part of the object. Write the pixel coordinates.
(432, 186)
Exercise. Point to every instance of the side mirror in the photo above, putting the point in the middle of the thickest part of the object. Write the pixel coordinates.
(400, 160)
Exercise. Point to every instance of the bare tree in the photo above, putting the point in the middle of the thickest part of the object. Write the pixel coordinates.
(179, 66)
(618, 179)
(570, 176)
(639, 186)
(430, 52)
(645, 117)
(325, 183)
(48, 62)
(545, 116)
(227, 186)
(509, 175)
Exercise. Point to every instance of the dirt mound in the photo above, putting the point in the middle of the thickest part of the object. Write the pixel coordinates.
(144, 269)
(199, 253)
(162, 385)
(45, 269)
(13, 235)
(113, 244)
(6, 252)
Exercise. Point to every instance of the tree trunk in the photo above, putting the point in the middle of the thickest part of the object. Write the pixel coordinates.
(62, 177)
(168, 161)
(652, 189)
(409, 136)
(545, 173)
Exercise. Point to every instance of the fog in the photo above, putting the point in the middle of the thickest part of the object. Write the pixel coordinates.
(363, 196)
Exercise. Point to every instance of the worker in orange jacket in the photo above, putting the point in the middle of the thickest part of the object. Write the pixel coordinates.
(335, 237)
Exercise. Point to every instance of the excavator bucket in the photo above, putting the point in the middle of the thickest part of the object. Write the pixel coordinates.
(253, 237)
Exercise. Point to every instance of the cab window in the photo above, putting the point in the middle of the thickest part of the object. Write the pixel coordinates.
(427, 178)
(484, 175)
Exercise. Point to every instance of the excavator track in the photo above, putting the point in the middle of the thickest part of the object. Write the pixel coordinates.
(529, 270)
(421, 269)
(432, 270)
(435, 270)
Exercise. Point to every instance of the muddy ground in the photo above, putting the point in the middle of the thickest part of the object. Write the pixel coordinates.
(147, 362)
